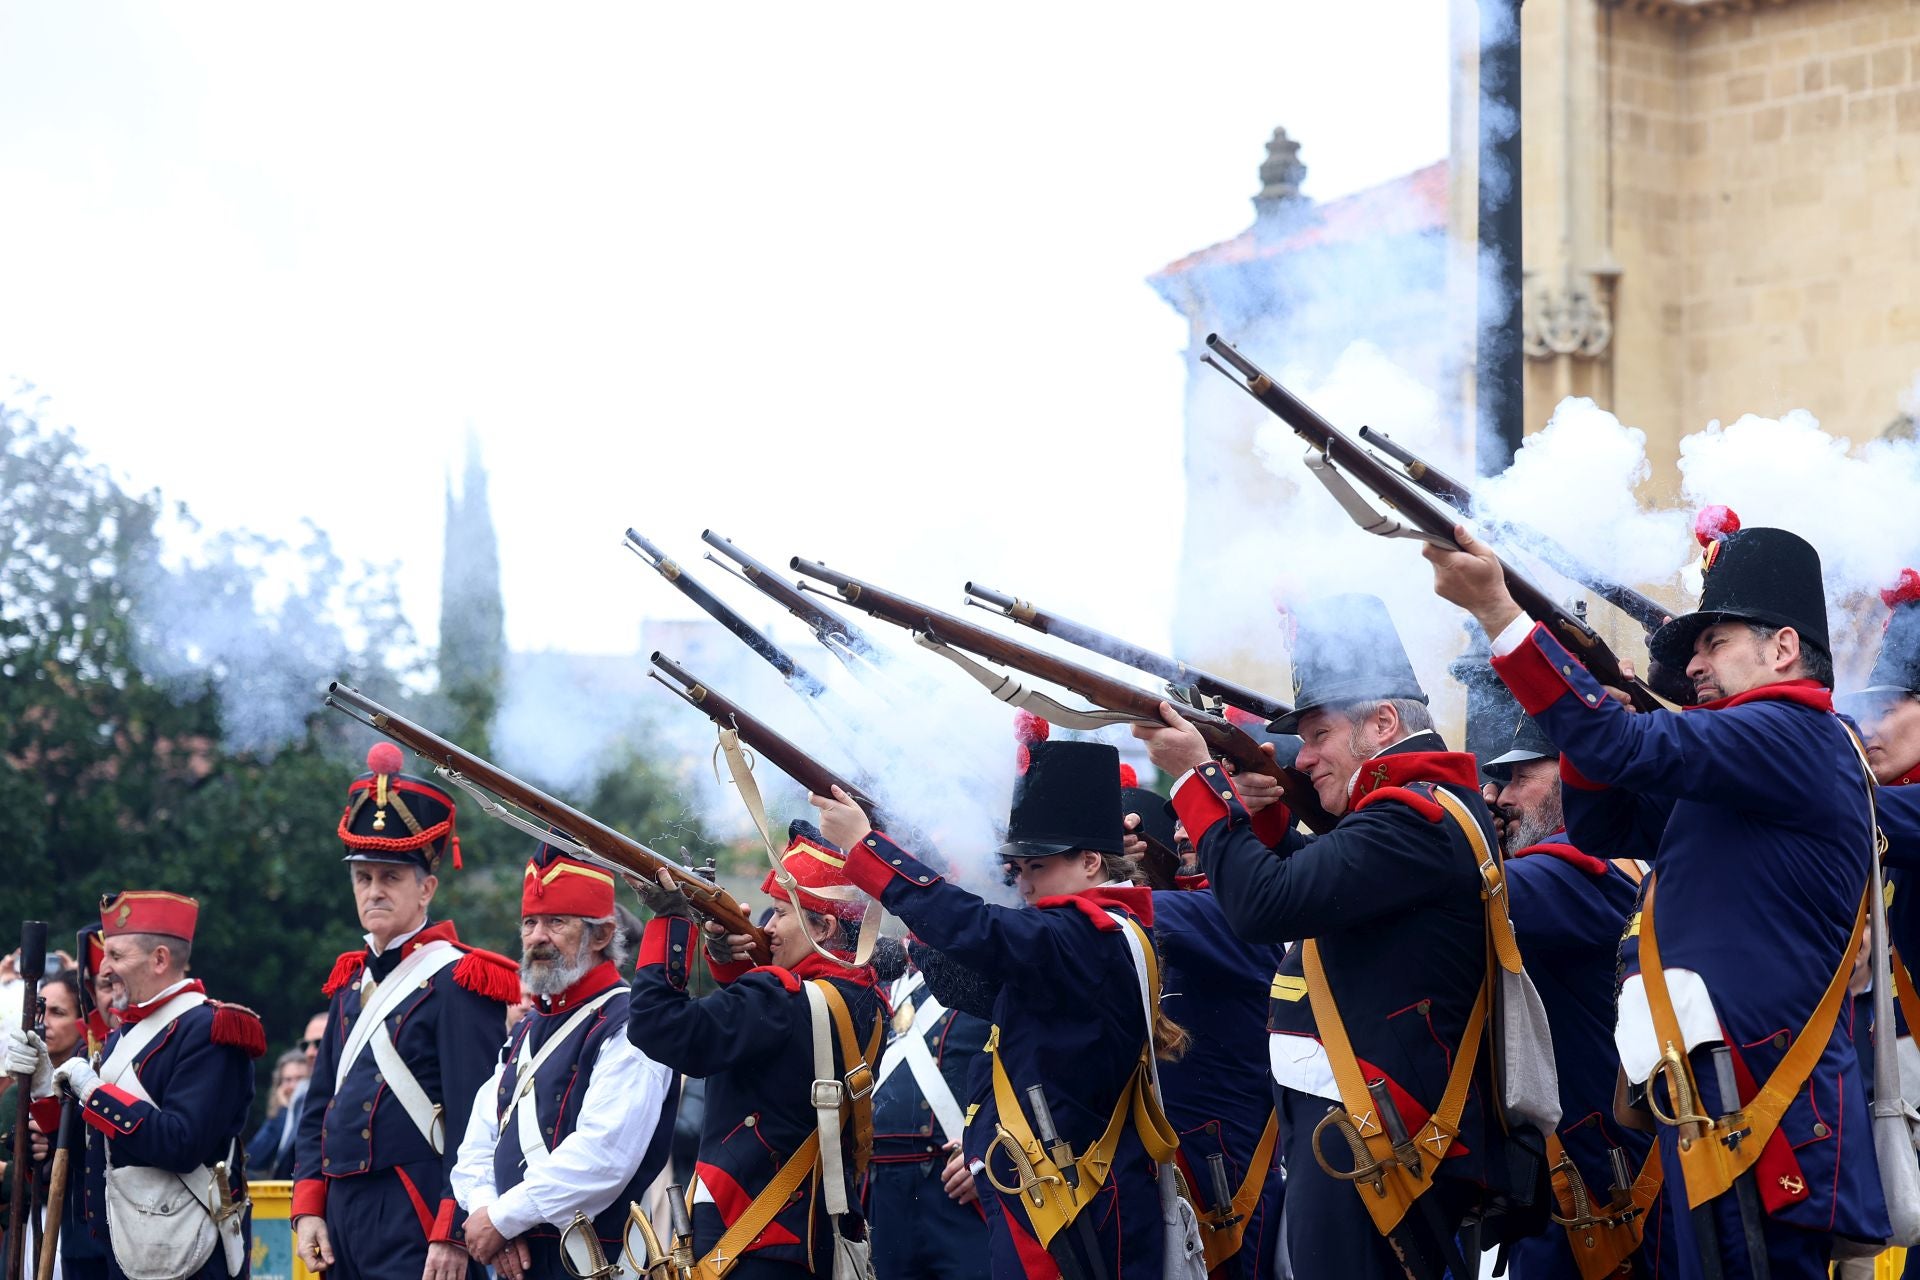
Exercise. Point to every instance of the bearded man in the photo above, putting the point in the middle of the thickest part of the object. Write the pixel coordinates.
(574, 1124)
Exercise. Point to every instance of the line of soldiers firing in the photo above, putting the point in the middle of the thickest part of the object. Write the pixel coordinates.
(1441, 1023)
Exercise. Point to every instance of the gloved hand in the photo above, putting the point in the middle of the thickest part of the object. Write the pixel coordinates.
(76, 1075)
(26, 1055)
(663, 898)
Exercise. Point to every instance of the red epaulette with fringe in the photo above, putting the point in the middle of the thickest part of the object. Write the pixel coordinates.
(488, 974)
(346, 970)
(239, 1026)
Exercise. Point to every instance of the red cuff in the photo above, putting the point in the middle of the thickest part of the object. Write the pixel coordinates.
(1530, 673)
(653, 942)
(728, 971)
(1203, 800)
(442, 1232)
(867, 869)
(1271, 824)
(97, 1111)
(309, 1198)
(1577, 780)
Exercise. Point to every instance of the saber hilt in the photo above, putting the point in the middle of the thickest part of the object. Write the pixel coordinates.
(681, 1223)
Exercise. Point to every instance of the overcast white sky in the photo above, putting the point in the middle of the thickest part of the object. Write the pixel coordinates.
(859, 282)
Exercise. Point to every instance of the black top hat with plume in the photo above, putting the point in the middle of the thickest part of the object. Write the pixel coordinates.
(1345, 650)
(1068, 799)
(1766, 576)
(395, 817)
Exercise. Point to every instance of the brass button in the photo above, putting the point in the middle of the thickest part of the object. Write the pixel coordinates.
(1423, 1007)
(325, 1161)
(1779, 1039)
(1566, 671)
(1821, 1131)
(366, 1106)
(1225, 794)
(750, 1121)
(366, 1133)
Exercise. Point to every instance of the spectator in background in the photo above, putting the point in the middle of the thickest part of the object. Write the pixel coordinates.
(270, 1151)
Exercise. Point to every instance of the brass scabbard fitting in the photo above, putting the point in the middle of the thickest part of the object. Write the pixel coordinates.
(1674, 1070)
(1032, 1183)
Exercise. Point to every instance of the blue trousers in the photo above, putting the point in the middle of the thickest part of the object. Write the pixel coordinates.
(375, 1229)
(918, 1232)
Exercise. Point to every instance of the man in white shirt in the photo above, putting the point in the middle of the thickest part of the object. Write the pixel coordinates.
(575, 1123)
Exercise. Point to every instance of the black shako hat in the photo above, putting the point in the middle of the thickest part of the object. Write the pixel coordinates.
(1528, 742)
(1069, 798)
(1897, 669)
(1345, 650)
(392, 816)
(1766, 576)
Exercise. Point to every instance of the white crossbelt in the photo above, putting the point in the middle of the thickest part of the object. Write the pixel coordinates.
(370, 1032)
(910, 1048)
(533, 1144)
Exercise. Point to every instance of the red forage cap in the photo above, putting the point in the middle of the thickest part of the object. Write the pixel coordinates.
(149, 911)
(819, 874)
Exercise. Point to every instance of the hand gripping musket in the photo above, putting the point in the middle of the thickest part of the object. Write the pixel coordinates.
(586, 836)
(758, 736)
(1190, 685)
(1643, 609)
(1334, 457)
(1115, 701)
(840, 637)
(802, 680)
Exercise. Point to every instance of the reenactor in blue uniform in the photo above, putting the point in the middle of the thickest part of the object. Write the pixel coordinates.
(1570, 910)
(1219, 1097)
(167, 1104)
(413, 1030)
(1377, 1014)
(1071, 1051)
(575, 1123)
(781, 1142)
(1753, 808)
(919, 1110)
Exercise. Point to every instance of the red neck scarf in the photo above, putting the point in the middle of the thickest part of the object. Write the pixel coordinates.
(135, 1012)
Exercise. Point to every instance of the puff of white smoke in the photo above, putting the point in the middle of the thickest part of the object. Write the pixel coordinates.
(1853, 504)
(1573, 482)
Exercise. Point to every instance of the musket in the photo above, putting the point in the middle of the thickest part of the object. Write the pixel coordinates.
(1224, 738)
(601, 843)
(1182, 680)
(799, 677)
(1643, 609)
(32, 968)
(830, 628)
(1341, 454)
(765, 742)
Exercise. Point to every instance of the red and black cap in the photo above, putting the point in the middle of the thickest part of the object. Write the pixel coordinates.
(1766, 576)
(396, 817)
(149, 911)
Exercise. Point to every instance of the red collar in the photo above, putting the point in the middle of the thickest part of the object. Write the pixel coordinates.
(1192, 882)
(1456, 768)
(592, 983)
(1907, 779)
(1095, 902)
(135, 1012)
(814, 965)
(1557, 846)
(1805, 693)
(442, 932)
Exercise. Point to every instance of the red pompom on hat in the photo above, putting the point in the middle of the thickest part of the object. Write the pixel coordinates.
(1128, 777)
(149, 911)
(384, 757)
(1029, 728)
(819, 874)
(1714, 523)
(392, 816)
(1905, 590)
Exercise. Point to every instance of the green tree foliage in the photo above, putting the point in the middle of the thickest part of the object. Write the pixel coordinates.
(162, 726)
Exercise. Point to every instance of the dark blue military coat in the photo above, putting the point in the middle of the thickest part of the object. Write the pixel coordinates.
(1219, 1095)
(199, 1072)
(1070, 1019)
(1753, 811)
(1569, 911)
(753, 1042)
(449, 1034)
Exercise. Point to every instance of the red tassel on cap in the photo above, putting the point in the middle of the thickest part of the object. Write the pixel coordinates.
(1714, 523)
(1905, 590)
(1128, 778)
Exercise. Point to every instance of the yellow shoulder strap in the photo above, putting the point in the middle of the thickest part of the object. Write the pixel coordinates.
(1708, 1167)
